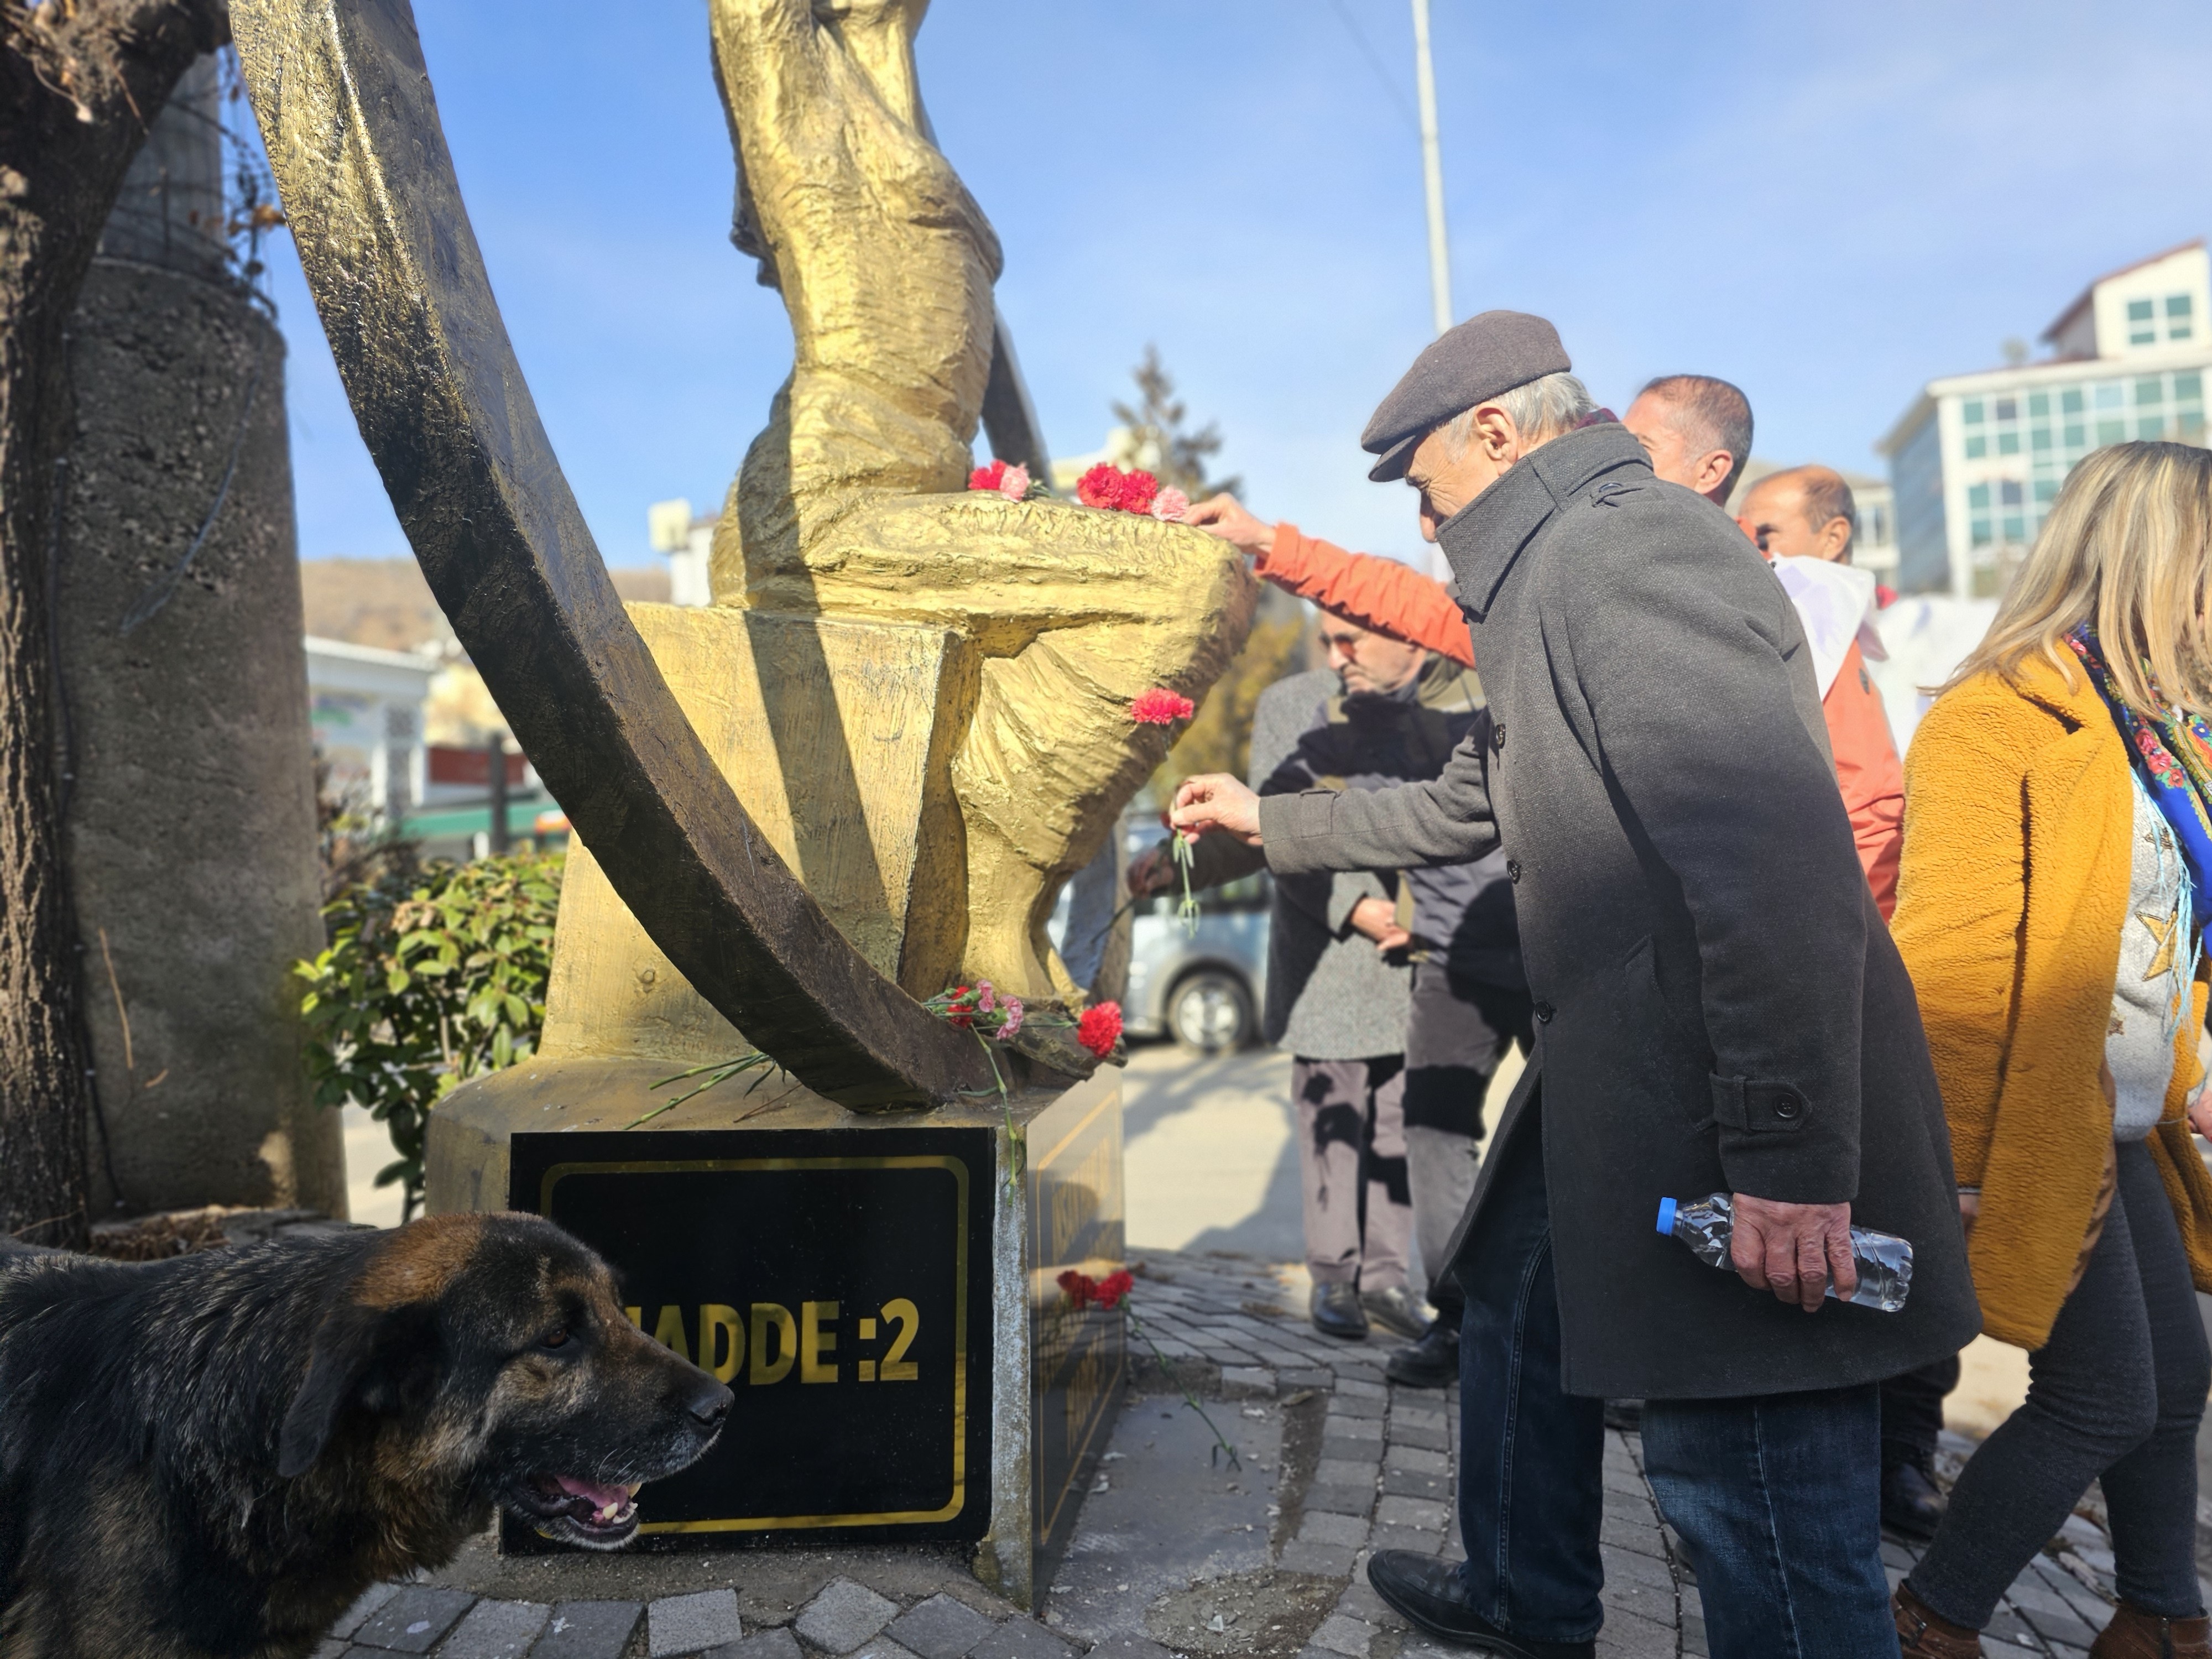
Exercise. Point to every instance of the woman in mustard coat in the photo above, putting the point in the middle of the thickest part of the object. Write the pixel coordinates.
(2057, 873)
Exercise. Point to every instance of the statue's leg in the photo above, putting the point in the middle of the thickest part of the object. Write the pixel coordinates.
(1077, 612)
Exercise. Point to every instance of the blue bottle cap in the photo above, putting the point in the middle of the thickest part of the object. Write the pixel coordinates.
(1666, 1217)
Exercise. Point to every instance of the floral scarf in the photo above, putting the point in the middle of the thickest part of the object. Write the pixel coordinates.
(2173, 756)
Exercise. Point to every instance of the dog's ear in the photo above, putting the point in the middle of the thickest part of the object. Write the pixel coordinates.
(360, 1353)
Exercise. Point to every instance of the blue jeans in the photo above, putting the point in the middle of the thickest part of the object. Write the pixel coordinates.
(1779, 1500)
(1778, 1497)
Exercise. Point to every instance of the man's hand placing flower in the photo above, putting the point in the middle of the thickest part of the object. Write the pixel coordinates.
(1214, 800)
(1224, 516)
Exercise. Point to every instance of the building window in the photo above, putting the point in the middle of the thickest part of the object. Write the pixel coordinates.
(2007, 409)
(2071, 402)
(2046, 491)
(2191, 425)
(2110, 394)
(2151, 389)
(2039, 438)
(1971, 413)
(2176, 317)
(2009, 494)
(2039, 404)
(2188, 388)
(2151, 426)
(1981, 532)
(1976, 446)
(2016, 527)
(2076, 437)
(2008, 443)
(2142, 330)
(2111, 432)
(1977, 497)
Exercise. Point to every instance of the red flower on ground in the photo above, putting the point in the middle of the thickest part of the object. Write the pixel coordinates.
(1084, 1292)
(1100, 1027)
(988, 477)
(1160, 707)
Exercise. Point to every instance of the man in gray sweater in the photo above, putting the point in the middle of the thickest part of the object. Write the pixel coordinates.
(1718, 1009)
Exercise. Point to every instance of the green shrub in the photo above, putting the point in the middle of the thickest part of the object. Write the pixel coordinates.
(431, 979)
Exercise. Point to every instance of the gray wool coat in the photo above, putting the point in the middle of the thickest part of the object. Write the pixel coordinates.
(1719, 1004)
(1330, 994)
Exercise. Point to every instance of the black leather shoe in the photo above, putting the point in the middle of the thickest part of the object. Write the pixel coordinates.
(1430, 1363)
(1336, 1312)
(1912, 1503)
(1427, 1591)
(1397, 1310)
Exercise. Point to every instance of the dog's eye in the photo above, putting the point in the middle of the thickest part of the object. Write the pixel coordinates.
(556, 1338)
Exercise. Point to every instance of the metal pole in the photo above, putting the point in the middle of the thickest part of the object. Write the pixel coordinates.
(495, 776)
(1433, 172)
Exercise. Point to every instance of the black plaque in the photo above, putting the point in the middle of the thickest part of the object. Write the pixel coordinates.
(838, 1280)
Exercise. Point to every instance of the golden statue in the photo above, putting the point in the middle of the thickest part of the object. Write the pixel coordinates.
(853, 503)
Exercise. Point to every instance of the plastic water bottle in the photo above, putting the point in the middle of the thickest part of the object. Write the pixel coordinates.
(1885, 1260)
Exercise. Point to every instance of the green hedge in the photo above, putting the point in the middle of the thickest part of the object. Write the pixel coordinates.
(431, 979)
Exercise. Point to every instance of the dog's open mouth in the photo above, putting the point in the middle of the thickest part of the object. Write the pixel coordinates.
(586, 1512)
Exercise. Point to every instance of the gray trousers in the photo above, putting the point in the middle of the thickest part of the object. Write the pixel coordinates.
(1352, 1164)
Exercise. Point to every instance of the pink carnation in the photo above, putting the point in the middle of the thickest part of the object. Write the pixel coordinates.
(1170, 505)
(1013, 1007)
(985, 998)
(1000, 478)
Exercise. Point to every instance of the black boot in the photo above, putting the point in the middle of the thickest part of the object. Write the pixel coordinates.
(1397, 1310)
(1430, 1363)
(1428, 1592)
(1913, 1504)
(1336, 1312)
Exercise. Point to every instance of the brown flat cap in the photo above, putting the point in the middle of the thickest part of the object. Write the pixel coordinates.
(1463, 366)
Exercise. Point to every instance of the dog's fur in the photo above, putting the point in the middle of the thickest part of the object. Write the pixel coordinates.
(210, 1457)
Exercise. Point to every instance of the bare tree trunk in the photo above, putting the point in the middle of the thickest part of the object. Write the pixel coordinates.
(80, 79)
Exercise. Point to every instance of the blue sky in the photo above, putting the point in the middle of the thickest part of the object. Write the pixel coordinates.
(1828, 203)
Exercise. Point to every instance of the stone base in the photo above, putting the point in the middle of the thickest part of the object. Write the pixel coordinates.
(881, 1295)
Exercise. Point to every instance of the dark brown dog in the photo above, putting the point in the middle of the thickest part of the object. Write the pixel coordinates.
(210, 1457)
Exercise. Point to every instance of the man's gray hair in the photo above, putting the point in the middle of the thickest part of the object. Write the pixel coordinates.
(1542, 410)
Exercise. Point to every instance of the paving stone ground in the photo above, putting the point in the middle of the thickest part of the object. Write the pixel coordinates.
(1177, 1551)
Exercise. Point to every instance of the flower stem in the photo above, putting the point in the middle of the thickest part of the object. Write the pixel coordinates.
(1187, 912)
(1220, 1440)
(1017, 1141)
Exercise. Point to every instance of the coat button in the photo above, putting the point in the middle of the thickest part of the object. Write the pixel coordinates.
(1787, 1106)
(1498, 736)
(1513, 869)
(1543, 1011)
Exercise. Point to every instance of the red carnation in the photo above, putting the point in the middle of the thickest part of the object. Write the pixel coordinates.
(1107, 487)
(1081, 1289)
(1100, 487)
(1114, 1287)
(1100, 1027)
(988, 477)
(1138, 491)
(1160, 707)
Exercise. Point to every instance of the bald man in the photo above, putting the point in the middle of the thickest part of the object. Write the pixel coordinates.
(1804, 513)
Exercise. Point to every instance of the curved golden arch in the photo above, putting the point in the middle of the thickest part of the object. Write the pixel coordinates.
(344, 103)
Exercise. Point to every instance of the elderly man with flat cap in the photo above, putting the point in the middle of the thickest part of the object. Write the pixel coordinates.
(1719, 1009)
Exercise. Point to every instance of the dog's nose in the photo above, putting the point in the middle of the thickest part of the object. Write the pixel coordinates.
(711, 1404)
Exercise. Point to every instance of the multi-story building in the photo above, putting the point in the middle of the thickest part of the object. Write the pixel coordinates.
(1978, 459)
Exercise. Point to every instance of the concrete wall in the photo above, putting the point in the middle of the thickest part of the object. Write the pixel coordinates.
(191, 817)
